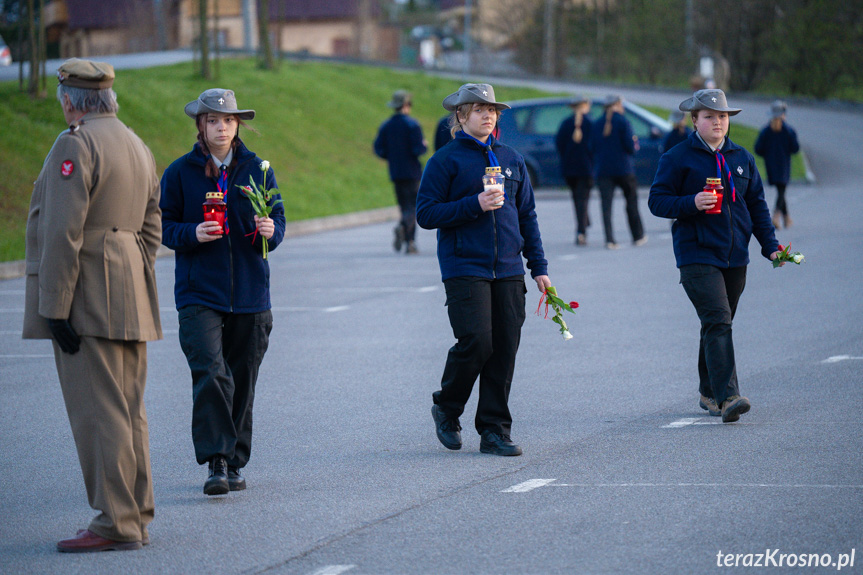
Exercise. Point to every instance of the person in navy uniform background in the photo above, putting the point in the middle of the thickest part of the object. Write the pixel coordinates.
(482, 236)
(712, 250)
(400, 141)
(615, 147)
(679, 130)
(574, 144)
(776, 142)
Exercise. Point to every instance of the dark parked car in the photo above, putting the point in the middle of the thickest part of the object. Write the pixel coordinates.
(531, 126)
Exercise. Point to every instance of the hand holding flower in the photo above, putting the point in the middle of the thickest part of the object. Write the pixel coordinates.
(785, 255)
(558, 305)
(266, 226)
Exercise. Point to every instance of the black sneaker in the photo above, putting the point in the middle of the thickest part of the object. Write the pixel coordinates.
(733, 408)
(217, 482)
(236, 482)
(399, 238)
(498, 444)
(447, 428)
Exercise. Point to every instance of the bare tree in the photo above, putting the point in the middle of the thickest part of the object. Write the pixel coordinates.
(203, 39)
(266, 59)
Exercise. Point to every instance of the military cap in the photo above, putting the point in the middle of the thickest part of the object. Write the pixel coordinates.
(399, 99)
(473, 94)
(710, 99)
(78, 73)
(218, 101)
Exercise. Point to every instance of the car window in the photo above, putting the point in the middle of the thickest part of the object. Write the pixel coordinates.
(547, 119)
(520, 117)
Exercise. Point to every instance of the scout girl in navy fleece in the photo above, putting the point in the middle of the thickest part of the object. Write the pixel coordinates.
(222, 283)
(574, 143)
(776, 142)
(712, 250)
(480, 247)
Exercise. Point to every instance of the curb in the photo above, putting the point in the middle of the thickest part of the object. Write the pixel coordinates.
(15, 269)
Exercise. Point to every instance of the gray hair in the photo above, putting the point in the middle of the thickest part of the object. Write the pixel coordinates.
(85, 100)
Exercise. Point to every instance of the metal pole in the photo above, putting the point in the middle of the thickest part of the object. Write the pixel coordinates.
(248, 44)
(468, 9)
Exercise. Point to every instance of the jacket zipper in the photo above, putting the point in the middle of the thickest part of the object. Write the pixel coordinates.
(494, 238)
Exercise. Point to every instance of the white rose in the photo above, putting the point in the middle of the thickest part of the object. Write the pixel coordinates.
(566, 335)
(265, 165)
(798, 258)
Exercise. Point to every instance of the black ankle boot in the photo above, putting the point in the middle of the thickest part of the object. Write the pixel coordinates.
(217, 482)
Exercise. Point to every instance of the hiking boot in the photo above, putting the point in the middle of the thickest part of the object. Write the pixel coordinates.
(708, 404)
(733, 408)
(217, 482)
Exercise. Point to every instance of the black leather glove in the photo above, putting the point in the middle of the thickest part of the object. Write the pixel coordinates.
(64, 335)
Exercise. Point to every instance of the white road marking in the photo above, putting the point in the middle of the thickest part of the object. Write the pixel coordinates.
(528, 485)
(692, 421)
(770, 485)
(333, 569)
(25, 356)
(838, 358)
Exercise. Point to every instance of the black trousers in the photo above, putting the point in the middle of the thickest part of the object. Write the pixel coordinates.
(781, 205)
(715, 292)
(486, 317)
(580, 188)
(406, 195)
(629, 185)
(224, 351)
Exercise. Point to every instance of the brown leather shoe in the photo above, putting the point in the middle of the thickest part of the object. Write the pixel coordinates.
(709, 405)
(85, 541)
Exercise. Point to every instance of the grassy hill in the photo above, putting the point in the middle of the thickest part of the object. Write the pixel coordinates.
(315, 124)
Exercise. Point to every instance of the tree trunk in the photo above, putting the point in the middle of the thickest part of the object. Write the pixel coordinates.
(264, 35)
(203, 38)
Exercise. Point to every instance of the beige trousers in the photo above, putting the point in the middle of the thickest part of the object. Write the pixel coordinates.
(103, 387)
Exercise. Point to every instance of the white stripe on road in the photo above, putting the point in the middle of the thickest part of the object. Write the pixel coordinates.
(528, 485)
(333, 569)
(771, 485)
(532, 484)
(22, 356)
(838, 358)
(692, 421)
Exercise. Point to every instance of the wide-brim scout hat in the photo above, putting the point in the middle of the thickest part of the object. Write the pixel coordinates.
(473, 94)
(710, 99)
(218, 101)
(675, 117)
(78, 73)
(611, 100)
(777, 109)
(578, 99)
(400, 99)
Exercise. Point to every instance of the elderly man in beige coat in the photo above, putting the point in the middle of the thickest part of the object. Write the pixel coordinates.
(92, 234)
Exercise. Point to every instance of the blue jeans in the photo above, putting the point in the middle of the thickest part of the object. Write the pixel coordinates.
(715, 292)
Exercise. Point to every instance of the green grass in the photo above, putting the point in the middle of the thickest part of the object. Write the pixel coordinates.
(315, 121)
(315, 124)
(746, 136)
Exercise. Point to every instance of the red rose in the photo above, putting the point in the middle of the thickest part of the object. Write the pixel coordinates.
(781, 248)
(573, 304)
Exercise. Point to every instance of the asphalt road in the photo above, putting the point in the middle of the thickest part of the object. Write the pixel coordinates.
(622, 472)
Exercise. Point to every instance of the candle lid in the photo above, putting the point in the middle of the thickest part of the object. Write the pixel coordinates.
(215, 195)
(714, 180)
(492, 170)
